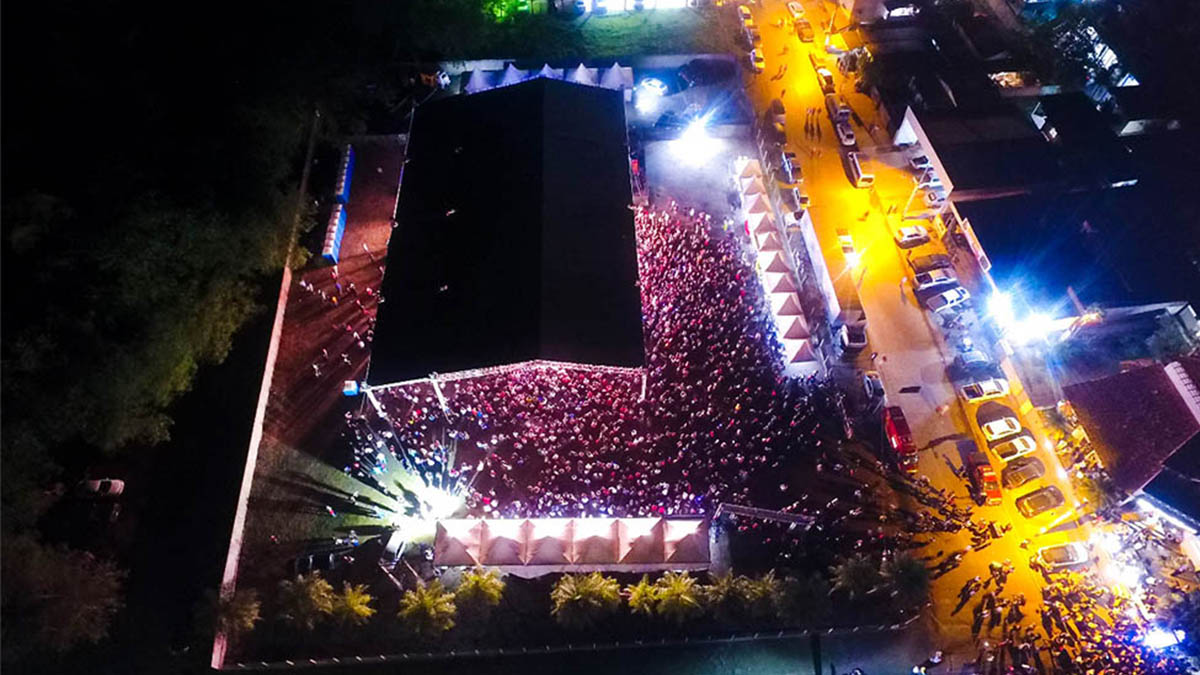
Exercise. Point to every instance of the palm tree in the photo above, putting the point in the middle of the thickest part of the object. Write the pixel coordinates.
(642, 597)
(678, 597)
(353, 605)
(907, 577)
(233, 616)
(305, 599)
(583, 600)
(763, 596)
(478, 592)
(857, 576)
(804, 601)
(428, 610)
(726, 598)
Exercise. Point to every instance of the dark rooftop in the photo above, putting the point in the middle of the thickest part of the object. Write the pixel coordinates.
(1102, 244)
(1137, 420)
(514, 240)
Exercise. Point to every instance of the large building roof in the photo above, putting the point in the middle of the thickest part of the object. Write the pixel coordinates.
(1137, 419)
(514, 239)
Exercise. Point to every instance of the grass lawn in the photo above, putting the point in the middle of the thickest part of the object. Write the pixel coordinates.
(675, 31)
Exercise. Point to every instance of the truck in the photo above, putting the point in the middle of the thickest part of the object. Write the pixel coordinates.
(985, 487)
(899, 439)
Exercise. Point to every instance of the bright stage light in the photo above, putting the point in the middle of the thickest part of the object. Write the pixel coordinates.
(1125, 575)
(438, 504)
(1001, 309)
(1160, 638)
(694, 146)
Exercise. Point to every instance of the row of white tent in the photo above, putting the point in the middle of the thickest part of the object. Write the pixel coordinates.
(615, 76)
(776, 273)
(570, 541)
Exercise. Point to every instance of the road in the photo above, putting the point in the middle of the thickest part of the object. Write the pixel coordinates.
(910, 348)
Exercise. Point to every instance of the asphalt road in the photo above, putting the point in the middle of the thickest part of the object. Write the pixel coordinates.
(910, 348)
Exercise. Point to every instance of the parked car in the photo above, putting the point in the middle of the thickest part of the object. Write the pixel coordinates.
(845, 134)
(853, 337)
(933, 261)
(103, 487)
(1040, 501)
(744, 14)
(983, 390)
(912, 236)
(997, 421)
(845, 240)
(947, 300)
(1063, 555)
(1013, 447)
(935, 197)
(1022, 470)
(873, 384)
(788, 168)
(757, 62)
(936, 277)
(899, 436)
(983, 480)
(797, 200)
(919, 163)
(804, 30)
(654, 85)
(826, 79)
(796, 10)
(971, 359)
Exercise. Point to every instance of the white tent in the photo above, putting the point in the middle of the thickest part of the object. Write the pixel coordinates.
(798, 351)
(640, 540)
(768, 241)
(760, 222)
(772, 261)
(583, 75)
(504, 542)
(779, 282)
(457, 542)
(617, 77)
(747, 168)
(753, 185)
(550, 73)
(685, 541)
(513, 75)
(548, 541)
(786, 304)
(478, 81)
(758, 204)
(595, 541)
(792, 327)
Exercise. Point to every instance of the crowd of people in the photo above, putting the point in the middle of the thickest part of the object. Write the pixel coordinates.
(715, 421)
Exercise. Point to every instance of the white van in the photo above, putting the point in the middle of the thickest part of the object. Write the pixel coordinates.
(857, 177)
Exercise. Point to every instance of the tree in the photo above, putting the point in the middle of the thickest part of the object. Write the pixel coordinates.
(234, 616)
(856, 576)
(428, 610)
(304, 600)
(581, 601)
(478, 593)
(54, 597)
(678, 597)
(352, 607)
(726, 598)
(642, 597)
(907, 577)
(805, 601)
(763, 596)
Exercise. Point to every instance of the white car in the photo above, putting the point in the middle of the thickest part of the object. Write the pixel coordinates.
(1063, 555)
(1000, 428)
(654, 85)
(947, 300)
(1015, 446)
(845, 134)
(993, 387)
(757, 62)
(937, 277)
(795, 10)
(935, 197)
(744, 14)
(912, 236)
(105, 487)
(826, 79)
(919, 163)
